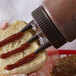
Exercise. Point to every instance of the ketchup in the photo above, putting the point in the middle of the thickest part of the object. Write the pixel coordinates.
(12, 38)
(22, 61)
(22, 48)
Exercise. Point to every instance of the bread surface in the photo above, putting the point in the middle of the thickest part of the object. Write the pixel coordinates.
(27, 68)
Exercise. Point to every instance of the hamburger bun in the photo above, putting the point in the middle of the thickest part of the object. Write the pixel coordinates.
(29, 67)
(65, 66)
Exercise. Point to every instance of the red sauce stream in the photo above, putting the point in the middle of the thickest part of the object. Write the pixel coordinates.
(22, 61)
(12, 38)
(21, 48)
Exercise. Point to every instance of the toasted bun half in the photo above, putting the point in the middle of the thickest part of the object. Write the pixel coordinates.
(65, 66)
(27, 68)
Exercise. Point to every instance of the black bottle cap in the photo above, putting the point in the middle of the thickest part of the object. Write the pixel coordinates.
(48, 27)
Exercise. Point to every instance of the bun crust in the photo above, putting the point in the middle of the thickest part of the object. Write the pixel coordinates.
(65, 66)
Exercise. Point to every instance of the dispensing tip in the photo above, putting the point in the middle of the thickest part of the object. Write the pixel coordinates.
(28, 26)
(33, 38)
(46, 45)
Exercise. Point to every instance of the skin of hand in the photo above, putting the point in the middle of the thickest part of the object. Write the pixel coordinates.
(4, 26)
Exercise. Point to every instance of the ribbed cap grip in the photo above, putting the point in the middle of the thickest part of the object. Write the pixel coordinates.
(48, 27)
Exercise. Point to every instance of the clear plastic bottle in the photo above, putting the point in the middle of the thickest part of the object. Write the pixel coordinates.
(57, 20)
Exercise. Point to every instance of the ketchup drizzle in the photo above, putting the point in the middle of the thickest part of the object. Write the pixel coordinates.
(12, 38)
(22, 61)
(22, 48)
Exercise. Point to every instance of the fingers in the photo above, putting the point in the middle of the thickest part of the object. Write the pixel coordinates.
(19, 75)
(35, 74)
(4, 25)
